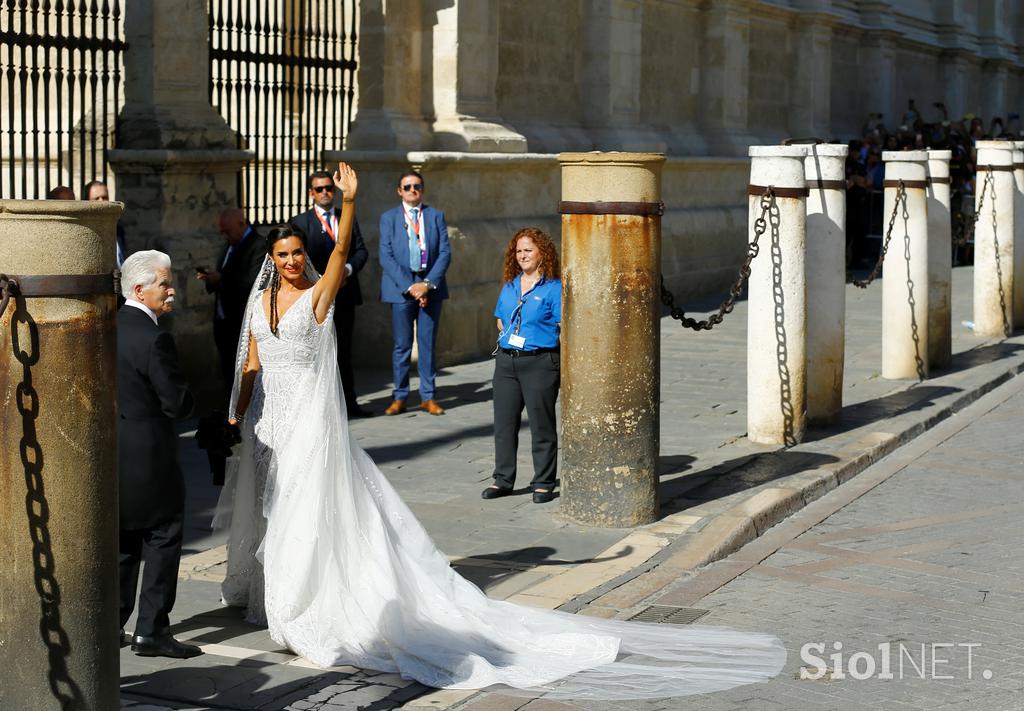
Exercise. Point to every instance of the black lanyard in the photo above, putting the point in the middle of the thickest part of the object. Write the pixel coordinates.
(517, 314)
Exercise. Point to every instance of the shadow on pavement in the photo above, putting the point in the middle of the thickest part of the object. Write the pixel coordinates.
(982, 355)
(735, 475)
(416, 447)
(449, 396)
(914, 398)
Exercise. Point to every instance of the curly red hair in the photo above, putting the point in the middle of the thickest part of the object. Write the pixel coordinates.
(549, 265)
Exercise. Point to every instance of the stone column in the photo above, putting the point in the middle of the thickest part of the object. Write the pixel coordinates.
(905, 270)
(777, 315)
(940, 260)
(465, 71)
(994, 88)
(58, 456)
(612, 62)
(879, 69)
(725, 77)
(610, 337)
(993, 240)
(1018, 235)
(825, 167)
(812, 112)
(394, 56)
(956, 80)
(177, 164)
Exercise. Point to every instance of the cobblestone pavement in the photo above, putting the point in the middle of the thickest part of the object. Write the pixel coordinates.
(510, 547)
(918, 560)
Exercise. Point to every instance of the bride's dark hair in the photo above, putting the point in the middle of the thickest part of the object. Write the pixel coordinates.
(275, 235)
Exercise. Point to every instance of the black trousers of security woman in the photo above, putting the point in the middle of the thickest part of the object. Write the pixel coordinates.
(529, 378)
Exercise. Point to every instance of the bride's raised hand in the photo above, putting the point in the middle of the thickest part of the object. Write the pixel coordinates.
(346, 181)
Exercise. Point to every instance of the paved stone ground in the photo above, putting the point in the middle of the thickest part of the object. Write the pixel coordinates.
(923, 548)
(510, 547)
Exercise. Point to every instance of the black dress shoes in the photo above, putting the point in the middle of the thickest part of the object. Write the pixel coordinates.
(163, 646)
(542, 497)
(494, 492)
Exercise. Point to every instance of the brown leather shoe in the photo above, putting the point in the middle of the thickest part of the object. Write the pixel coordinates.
(397, 407)
(432, 407)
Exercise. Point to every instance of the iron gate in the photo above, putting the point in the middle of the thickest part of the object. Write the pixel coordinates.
(282, 73)
(60, 92)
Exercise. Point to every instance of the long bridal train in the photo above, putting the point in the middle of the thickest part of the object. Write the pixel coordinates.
(350, 577)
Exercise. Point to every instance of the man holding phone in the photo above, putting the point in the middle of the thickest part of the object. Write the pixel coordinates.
(237, 268)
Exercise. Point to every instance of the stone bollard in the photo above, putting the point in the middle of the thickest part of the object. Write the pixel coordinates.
(777, 316)
(58, 457)
(905, 270)
(940, 260)
(993, 240)
(1018, 234)
(611, 255)
(825, 169)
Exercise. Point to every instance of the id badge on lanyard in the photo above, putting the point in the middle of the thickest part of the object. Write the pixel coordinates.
(514, 339)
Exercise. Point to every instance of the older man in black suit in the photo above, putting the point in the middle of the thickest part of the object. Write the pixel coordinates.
(320, 225)
(151, 394)
(237, 268)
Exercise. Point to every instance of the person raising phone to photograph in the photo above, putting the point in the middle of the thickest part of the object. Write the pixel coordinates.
(237, 266)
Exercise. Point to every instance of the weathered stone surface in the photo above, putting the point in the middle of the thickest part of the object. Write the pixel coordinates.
(58, 488)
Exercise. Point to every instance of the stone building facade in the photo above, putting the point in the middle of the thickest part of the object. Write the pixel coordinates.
(481, 95)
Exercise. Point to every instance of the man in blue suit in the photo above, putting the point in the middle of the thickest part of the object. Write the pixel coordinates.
(414, 256)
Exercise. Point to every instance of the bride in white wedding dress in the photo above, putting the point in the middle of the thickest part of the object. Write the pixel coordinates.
(325, 553)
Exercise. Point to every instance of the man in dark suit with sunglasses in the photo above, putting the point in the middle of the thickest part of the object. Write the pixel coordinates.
(320, 225)
(414, 256)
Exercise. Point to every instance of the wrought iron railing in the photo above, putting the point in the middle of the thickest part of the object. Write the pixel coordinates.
(61, 88)
(282, 73)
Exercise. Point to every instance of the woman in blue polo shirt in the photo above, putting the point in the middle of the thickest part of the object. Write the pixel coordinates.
(526, 366)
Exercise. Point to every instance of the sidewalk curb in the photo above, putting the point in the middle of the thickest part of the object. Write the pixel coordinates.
(727, 530)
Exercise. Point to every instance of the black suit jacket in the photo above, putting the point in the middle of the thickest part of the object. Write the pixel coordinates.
(151, 394)
(319, 246)
(237, 277)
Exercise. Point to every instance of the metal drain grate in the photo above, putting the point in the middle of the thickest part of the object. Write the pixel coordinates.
(668, 614)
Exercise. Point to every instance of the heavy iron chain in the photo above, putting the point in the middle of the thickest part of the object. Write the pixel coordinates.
(965, 228)
(999, 262)
(769, 211)
(901, 197)
(8, 287)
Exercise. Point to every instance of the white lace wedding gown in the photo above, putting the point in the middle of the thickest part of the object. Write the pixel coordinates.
(351, 577)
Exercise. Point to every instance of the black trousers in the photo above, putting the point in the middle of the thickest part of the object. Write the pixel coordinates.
(159, 549)
(344, 323)
(225, 336)
(531, 381)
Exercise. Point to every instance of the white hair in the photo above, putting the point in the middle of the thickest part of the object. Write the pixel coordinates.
(140, 269)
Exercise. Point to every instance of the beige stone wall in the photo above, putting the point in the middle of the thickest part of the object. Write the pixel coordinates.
(539, 70)
(487, 197)
(670, 78)
(770, 86)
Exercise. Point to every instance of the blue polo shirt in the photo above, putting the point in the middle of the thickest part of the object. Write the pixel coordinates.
(536, 314)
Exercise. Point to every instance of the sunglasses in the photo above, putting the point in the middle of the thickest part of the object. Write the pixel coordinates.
(321, 188)
(418, 187)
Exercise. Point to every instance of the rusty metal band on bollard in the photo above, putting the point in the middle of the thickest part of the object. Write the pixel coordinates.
(645, 209)
(1007, 168)
(936, 181)
(56, 285)
(778, 192)
(922, 184)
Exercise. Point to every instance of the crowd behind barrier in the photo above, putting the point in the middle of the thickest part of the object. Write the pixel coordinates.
(865, 172)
